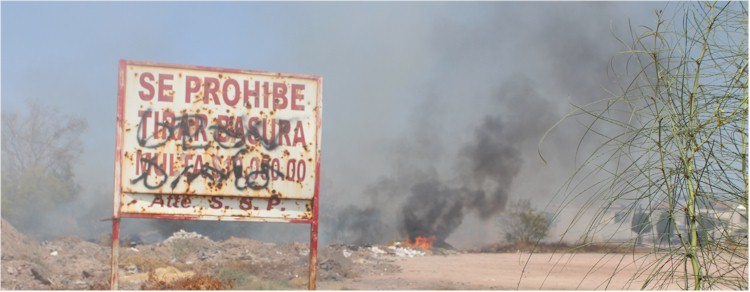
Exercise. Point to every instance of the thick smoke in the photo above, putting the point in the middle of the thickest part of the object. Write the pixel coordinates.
(432, 210)
(494, 160)
(478, 178)
(471, 144)
(431, 118)
(491, 162)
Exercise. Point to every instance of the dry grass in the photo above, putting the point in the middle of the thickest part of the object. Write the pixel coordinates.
(144, 263)
(245, 276)
(196, 282)
(98, 286)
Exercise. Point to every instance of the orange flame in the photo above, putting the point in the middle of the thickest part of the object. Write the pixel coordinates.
(423, 243)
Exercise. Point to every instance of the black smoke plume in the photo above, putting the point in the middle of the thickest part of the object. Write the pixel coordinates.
(432, 210)
(490, 162)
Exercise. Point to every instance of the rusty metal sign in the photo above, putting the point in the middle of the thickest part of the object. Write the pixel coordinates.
(217, 143)
(203, 143)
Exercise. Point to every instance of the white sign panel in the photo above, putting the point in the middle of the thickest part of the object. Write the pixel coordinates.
(214, 142)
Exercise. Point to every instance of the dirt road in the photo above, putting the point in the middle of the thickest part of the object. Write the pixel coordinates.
(503, 271)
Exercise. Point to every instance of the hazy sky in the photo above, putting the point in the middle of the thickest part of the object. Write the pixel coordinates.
(401, 80)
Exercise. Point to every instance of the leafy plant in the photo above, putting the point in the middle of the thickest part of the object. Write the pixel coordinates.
(675, 142)
(524, 224)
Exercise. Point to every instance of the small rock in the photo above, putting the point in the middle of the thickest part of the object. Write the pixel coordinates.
(53, 253)
(40, 277)
(11, 270)
(203, 256)
(376, 250)
(131, 269)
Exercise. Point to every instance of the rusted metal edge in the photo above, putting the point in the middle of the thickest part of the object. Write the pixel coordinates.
(260, 196)
(115, 253)
(313, 266)
(213, 218)
(121, 78)
(313, 248)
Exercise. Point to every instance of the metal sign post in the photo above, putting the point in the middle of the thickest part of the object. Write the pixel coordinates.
(203, 143)
(313, 248)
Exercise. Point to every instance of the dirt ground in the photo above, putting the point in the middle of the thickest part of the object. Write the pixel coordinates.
(245, 264)
(504, 272)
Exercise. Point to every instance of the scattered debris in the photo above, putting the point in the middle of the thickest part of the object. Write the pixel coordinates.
(376, 250)
(185, 255)
(400, 250)
(182, 234)
(39, 277)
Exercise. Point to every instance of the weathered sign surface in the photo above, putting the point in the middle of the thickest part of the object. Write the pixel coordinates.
(216, 144)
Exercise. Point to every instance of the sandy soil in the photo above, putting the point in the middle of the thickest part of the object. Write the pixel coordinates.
(504, 272)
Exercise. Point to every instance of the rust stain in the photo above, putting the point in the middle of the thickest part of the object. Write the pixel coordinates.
(217, 157)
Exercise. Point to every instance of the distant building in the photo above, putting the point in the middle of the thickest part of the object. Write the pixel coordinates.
(624, 224)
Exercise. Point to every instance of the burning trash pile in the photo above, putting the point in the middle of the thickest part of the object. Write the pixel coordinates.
(420, 247)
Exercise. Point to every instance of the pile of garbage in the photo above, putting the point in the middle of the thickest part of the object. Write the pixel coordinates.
(73, 263)
(63, 263)
(182, 234)
(398, 250)
(404, 251)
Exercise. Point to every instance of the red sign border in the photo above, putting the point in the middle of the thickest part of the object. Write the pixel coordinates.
(122, 79)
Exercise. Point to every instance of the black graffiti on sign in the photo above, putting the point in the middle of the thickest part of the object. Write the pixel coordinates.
(241, 134)
(265, 172)
(255, 179)
(178, 128)
(190, 128)
(151, 164)
(206, 171)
